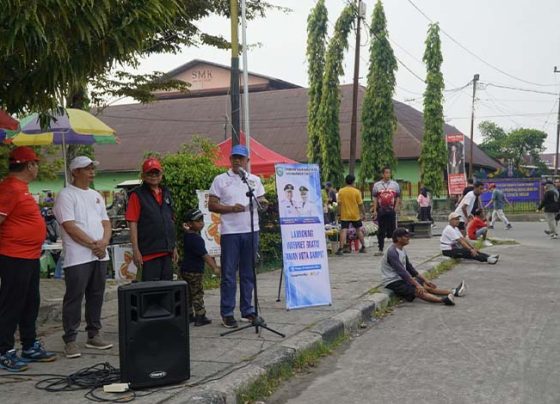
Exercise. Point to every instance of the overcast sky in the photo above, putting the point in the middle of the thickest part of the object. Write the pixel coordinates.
(519, 37)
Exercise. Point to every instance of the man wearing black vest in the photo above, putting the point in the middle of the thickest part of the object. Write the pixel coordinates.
(152, 225)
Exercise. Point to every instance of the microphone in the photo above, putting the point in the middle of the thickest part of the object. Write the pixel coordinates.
(242, 173)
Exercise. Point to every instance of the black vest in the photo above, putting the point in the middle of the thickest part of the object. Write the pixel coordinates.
(156, 227)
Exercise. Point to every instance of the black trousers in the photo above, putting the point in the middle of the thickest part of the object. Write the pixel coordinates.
(425, 214)
(158, 269)
(387, 223)
(466, 254)
(83, 280)
(19, 301)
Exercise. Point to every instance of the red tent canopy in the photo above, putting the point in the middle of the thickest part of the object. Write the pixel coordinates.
(262, 158)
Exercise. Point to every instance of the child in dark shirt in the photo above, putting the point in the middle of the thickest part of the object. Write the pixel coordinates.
(192, 267)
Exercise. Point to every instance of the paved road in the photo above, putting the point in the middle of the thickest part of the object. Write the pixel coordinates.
(498, 345)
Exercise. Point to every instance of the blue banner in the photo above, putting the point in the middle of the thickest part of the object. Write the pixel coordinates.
(515, 189)
(304, 246)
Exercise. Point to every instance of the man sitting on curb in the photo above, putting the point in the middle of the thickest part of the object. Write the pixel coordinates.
(454, 245)
(399, 275)
(478, 228)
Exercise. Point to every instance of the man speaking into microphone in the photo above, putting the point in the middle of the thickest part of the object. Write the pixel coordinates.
(228, 196)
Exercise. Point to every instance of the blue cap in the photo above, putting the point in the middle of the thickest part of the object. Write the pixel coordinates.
(239, 150)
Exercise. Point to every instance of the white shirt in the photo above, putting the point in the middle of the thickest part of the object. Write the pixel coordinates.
(469, 199)
(449, 237)
(230, 190)
(87, 208)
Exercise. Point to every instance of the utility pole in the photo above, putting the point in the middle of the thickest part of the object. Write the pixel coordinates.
(361, 8)
(471, 170)
(246, 126)
(557, 131)
(234, 80)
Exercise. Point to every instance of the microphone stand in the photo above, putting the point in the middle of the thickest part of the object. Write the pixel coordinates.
(258, 321)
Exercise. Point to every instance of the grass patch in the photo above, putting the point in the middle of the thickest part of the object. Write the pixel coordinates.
(440, 268)
(266, 385)
(503, 242)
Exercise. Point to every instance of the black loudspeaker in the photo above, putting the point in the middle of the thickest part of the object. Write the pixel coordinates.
(153, 333)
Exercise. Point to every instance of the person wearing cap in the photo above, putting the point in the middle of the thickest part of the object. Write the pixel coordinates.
(195, 256)
(400, 276)
(468, 205)
(498, 200)
(228, 197)
(151, 220)
(351, 211)
(86, 232)
(22, 233)
(454, 245)
(287, 205)
(305, 207)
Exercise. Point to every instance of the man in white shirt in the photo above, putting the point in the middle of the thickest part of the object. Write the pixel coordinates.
(465, 207)
(86, 231)
(228, 197)
(454, 245)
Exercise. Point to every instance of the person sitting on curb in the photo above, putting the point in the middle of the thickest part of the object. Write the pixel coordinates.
(478, 228)
(454, 245)
(398, 275)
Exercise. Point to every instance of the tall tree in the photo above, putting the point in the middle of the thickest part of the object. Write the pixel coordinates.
(433, 157)
(521, 146)
(316, 43)
(494, 140)
(329, 110)
(47, 47)
(378, 116)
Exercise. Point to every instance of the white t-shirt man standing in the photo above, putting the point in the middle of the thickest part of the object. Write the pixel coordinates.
(86, 231)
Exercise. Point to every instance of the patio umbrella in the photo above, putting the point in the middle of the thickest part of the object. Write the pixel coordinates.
(7, 125)
(74, 126)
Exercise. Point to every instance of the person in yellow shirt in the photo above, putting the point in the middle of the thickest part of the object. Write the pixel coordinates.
(351, 211)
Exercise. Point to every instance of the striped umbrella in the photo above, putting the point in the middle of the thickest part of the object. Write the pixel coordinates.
(74, 126)
(8, 125)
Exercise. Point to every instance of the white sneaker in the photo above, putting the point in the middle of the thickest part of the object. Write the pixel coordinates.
(554, 236)
(492, 259)
(487, 243)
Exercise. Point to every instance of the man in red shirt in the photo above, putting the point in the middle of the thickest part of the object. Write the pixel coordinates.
(478, 228)
(22, 233)
(151, 221)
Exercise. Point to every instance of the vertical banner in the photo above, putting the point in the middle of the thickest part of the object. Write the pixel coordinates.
(456, 179)
(304, 247)
(124, 267)
(211, 231)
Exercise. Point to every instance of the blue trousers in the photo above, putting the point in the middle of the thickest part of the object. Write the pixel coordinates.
(236, 255)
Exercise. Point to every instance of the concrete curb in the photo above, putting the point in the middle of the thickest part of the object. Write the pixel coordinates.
(224, 390)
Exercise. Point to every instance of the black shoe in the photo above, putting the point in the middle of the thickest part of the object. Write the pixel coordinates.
(339, 252)
(448, 300)
(229, 322)
(460, 290)
(363, 250)
(347, 251)
(249, 318)
(508, 227)
(199, 321)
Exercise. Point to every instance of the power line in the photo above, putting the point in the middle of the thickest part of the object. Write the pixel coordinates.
(475, 55)
(528, 90)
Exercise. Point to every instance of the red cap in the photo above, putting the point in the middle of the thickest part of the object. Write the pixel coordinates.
(151, 165)
(23, 154)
